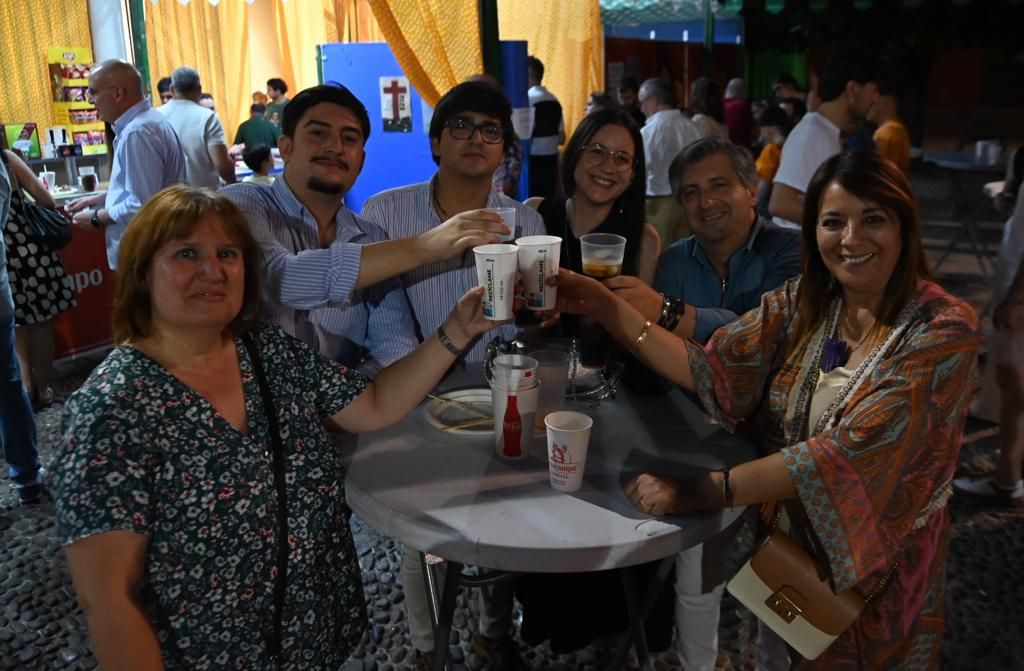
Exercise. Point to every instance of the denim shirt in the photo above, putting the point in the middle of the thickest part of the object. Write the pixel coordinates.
(770, 256)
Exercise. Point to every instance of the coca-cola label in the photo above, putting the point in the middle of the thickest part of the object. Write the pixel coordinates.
(512, 429)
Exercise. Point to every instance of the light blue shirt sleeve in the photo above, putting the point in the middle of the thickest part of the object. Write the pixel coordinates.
(390, 330)
(305, 280)
(708, 321)
(133, 155)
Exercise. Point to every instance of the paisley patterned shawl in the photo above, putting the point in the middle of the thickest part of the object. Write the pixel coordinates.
(872, 481)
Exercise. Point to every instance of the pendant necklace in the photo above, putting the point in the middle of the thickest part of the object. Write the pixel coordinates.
(837, 352)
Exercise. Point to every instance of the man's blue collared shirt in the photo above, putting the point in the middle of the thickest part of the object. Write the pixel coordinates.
(770, 257)
(147, 158)
(309, 291)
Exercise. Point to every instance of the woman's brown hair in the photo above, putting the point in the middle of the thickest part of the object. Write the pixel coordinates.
(173, 214)
(870, 177)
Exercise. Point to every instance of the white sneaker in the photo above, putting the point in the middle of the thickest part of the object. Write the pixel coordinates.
(990, 489)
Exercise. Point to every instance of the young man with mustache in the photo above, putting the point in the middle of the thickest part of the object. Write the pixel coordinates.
(328, 273)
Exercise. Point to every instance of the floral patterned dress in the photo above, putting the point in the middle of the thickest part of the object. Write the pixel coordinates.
(142, 452)
(874, 486)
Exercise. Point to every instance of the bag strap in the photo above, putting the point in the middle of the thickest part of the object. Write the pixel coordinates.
(280, 584)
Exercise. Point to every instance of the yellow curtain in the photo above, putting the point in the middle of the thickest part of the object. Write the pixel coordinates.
(437, 42)
(568, 39)
(214, 41)
(28, 30)
(303, 25)
(354, 22)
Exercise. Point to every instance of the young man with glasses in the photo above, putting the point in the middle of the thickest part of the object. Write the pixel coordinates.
(469, 131)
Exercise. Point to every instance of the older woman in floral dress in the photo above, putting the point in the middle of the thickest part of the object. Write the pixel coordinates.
(200, 497)
(857, 376)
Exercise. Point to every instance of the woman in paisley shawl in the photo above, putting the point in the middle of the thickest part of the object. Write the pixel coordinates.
(857, 376)
(166, 486)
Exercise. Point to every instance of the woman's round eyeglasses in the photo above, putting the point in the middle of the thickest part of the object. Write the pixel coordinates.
(595, 154)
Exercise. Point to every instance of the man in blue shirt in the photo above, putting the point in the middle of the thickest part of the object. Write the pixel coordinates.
(17, 424)
(703, 282)
(147, 153)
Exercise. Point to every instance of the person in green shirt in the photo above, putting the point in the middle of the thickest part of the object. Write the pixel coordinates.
(257, 130)
(276, 90)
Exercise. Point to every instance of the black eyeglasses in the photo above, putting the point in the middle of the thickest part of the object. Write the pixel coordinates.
(463, 129)
(596, 154)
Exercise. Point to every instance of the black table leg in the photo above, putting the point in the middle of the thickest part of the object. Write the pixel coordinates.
(639, 609)
(452, 577)
(433, 598)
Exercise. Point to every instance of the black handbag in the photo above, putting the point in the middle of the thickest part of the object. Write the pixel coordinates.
(44, 225)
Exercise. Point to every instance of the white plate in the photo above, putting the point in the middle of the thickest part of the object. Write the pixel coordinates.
(442, 415)
(65, 194)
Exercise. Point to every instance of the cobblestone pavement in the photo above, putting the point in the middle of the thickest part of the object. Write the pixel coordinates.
(41, 627)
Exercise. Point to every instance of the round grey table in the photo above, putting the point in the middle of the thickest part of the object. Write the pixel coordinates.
(452, 496)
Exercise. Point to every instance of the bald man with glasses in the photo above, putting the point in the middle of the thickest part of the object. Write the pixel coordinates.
(147, 154)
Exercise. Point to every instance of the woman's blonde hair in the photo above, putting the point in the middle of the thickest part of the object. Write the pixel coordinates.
(173, 214)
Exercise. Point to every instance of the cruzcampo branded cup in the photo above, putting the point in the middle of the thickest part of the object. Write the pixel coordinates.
(568, 434)
(508, 217)
(496, 272)
(514, 411)
(538, 260)
(602, 254)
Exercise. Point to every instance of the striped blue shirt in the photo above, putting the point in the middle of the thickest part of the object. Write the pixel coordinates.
(308, 291)
(434, 289)
(147, 158)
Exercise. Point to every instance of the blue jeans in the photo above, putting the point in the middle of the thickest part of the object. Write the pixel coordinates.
(17, 423)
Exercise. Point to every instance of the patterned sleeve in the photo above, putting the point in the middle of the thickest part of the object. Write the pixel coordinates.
(733, 370)
(333, 385)
(105, 468)
(866, 483)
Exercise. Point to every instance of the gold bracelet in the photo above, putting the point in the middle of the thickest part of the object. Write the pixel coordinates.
(643, 335)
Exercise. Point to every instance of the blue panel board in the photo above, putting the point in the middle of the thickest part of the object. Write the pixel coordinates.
(392, 159)
(727, 31)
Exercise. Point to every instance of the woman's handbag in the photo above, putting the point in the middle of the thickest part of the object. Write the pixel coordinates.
(44, 225)
(789, 591)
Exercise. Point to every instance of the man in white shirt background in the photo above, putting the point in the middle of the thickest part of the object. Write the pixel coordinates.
(665, 134)
(200, 131)
(849, 89)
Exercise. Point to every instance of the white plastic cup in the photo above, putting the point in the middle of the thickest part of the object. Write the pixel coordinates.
(568, 434)
(538, 260)
(508, 217)
(514, 412)
(49, 179)
(514, 371)
(602, 254)
(496, 272)
(553, 374)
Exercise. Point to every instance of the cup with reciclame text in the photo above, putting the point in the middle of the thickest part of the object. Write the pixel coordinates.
(553, 374)
(514, 412)
(568, 434)
(496, 272)
(508, 217)
(538, 260)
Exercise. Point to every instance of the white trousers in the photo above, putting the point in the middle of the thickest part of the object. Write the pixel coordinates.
(495, 604)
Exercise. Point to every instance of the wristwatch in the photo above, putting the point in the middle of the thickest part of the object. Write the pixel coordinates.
(96, 223)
